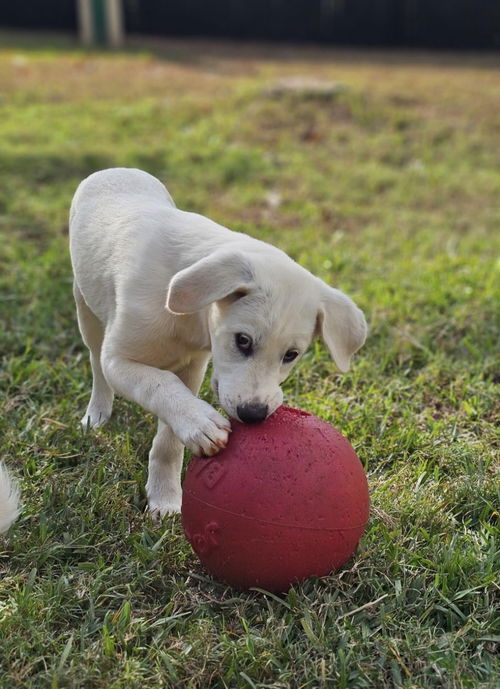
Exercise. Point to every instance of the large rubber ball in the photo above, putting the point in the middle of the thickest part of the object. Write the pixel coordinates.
(287, 499)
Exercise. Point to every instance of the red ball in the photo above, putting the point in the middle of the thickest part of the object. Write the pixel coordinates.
(287, 499)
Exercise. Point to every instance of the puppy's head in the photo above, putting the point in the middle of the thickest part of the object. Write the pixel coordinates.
(263, 311)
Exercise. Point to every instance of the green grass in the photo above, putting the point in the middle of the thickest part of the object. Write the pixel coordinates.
(389, 191)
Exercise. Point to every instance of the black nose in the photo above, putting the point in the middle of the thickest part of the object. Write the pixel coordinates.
(252, 413)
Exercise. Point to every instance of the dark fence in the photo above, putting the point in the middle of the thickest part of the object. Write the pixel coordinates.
(45, 14)
(419, 23)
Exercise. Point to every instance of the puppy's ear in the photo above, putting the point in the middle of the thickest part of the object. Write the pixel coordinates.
(214, 277)
(342, 326)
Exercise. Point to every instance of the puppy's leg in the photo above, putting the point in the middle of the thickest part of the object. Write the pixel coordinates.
(194, 422)
(101, 400)
(163, 487)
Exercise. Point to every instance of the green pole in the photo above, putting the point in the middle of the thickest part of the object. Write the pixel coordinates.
(99, 22)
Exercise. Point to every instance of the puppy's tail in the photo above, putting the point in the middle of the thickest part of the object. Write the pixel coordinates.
(9, 500)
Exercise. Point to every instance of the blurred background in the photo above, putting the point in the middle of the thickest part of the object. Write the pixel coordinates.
(451, 24)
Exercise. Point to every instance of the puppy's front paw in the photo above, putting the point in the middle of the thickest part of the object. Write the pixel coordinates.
(160, 508)
(205, 431)
(95, 417)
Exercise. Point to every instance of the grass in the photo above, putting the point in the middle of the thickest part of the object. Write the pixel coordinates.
(388, 190)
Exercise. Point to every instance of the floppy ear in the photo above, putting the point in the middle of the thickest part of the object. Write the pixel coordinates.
(211, 278)
(341, 325)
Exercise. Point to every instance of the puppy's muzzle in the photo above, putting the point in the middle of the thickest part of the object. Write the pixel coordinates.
(252, 412)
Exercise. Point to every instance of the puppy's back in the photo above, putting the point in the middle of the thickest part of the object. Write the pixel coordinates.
(118, 183)
(111, 214)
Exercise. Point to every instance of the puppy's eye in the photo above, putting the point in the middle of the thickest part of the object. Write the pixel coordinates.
(290, 356)
(244, 343)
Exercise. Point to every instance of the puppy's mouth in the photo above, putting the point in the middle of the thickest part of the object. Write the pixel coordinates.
(215, 389)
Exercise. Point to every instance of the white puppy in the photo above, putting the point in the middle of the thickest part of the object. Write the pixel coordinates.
(9, 500)
(158, 290)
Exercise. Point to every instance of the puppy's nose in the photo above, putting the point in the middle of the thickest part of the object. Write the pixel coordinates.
(252, 413)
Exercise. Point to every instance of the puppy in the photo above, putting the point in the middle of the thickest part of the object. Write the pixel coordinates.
(159, 290)
(9, 500)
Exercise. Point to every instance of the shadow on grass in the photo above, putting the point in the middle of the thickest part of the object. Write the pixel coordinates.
(204, 52)
(47, 168)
